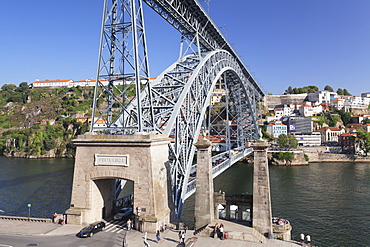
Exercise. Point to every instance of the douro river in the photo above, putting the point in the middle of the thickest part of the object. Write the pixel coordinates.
(329, 201)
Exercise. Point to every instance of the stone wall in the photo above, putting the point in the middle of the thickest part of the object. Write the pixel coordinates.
(270, 101)
(298, 159)
(329, 157)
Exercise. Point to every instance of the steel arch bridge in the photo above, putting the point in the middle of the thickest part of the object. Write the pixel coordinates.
(179, 101)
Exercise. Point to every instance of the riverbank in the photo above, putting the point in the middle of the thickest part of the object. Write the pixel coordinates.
(319, 154)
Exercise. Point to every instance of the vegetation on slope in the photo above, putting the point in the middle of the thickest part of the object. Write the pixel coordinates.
(22, 109)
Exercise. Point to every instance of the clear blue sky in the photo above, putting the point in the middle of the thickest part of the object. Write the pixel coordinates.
(283, 43)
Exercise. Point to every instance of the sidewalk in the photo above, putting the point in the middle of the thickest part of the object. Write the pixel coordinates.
(170, 239)
(36, 228)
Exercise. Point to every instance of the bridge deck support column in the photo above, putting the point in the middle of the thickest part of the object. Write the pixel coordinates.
(262, 218)
(204, 201)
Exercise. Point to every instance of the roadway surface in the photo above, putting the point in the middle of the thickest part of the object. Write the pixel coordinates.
(21, 234)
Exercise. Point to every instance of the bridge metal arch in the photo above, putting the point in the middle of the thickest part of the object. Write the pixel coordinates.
(180, 108)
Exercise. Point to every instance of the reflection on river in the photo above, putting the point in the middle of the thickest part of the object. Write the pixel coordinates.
(329, 201)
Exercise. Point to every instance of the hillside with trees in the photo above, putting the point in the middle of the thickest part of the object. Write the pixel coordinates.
(313, 89)
(22, 110)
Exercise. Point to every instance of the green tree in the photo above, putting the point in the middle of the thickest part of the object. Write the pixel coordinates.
(366, 120)
(306, 89)
(287, 141)
(345, 116)
(346, 93)
(289, 90)
(332, 119)
(8, 87)
(340, 91)
(363, 140)
(328, 88)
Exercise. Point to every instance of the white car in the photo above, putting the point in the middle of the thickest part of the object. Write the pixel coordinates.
(123, 213)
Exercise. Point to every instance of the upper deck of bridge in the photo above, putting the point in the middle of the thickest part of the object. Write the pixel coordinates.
(191, 20)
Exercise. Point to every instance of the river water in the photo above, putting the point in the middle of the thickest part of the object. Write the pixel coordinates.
(329, 201)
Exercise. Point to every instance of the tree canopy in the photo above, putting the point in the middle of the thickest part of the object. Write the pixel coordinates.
(287, 141)
(366, 121)
(363, 140)
(306, 89)
(343, 92)
(328, 88)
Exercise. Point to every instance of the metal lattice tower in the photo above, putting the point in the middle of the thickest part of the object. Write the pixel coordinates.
(178, 101)
(123, 70)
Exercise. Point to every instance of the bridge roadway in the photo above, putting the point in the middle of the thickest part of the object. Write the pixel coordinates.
(191, 20)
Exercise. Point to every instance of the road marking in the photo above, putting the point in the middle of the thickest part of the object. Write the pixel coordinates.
(115, 226)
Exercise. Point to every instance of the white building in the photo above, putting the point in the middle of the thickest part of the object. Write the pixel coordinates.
(322, 96)
(353, 102)
(72, 83)
(330, 134)
(284, 110)
(308, 110)
(276, 129)
(308, 139)
(338, 103)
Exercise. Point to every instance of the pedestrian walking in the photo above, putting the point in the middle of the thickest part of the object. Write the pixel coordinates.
(158, 236)
(302, 239)
(128, 224)
(180, 236)
(308, 238)
(183, 237)
(55, 216)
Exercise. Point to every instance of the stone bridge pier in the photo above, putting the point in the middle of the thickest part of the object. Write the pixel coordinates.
(100, 159)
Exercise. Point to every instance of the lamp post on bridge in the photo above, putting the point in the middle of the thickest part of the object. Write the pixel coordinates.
(29, 211)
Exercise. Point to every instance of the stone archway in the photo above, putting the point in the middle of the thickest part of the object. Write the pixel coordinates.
(140, 158)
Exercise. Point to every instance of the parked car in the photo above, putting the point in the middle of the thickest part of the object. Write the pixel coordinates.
(91, 229)
(123, 213)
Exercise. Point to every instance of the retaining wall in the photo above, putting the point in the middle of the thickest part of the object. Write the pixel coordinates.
(18, 218)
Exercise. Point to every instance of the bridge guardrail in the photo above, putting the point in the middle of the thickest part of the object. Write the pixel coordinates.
(191, 186)
(19, 218)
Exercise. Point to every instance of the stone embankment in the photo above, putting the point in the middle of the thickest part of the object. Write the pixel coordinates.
(298, 159)
(319, 154)
(316, 155)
